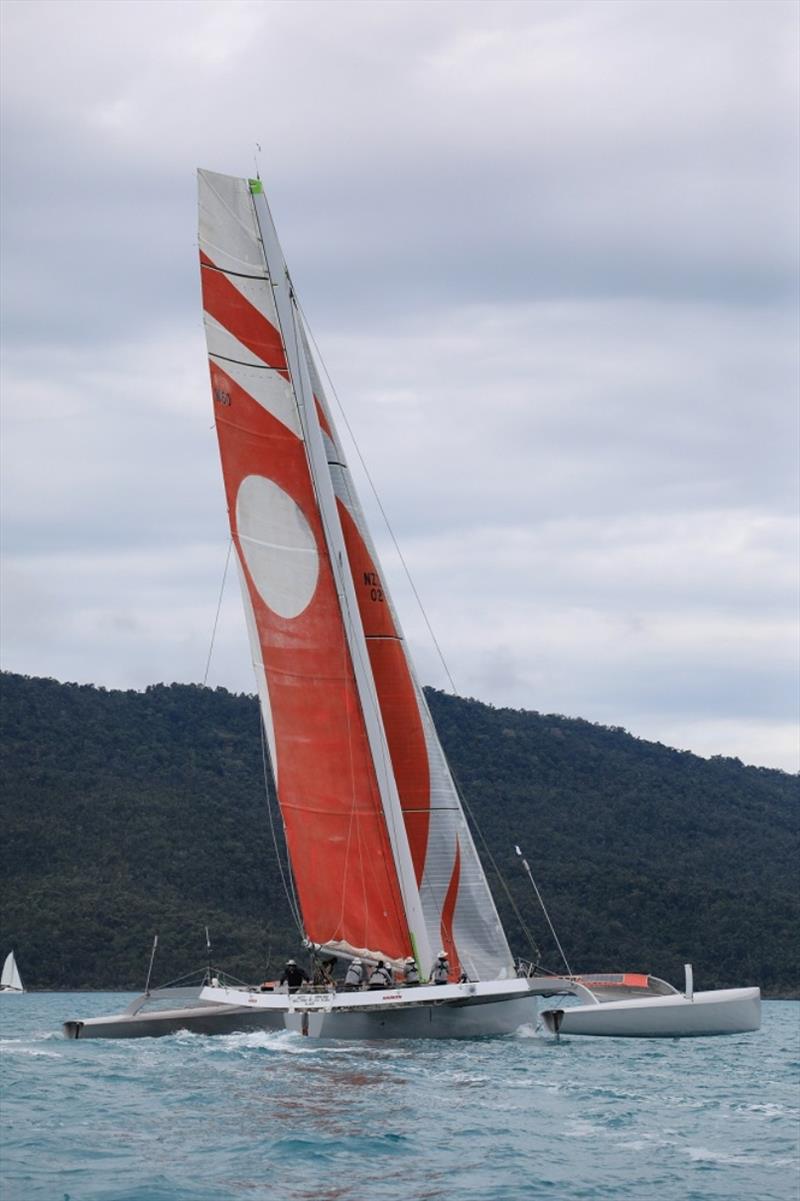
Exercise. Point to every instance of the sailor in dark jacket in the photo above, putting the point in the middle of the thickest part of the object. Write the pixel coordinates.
(294, 976)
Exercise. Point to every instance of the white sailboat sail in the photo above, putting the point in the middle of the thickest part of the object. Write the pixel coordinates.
(380, 849)
(10, 979)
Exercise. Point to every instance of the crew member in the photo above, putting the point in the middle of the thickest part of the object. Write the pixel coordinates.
(441, 969)
(355, 976)
(381, 976)
(294, 976)
(410, 973)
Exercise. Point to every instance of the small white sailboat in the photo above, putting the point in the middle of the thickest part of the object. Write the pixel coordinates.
(10, 982)
(383, 861)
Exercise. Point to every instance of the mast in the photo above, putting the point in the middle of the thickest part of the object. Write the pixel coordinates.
(289, 322)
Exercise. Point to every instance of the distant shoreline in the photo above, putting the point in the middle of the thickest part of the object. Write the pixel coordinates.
(131, 813)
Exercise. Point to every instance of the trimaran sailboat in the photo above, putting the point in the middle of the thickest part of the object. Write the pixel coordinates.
(384, 863)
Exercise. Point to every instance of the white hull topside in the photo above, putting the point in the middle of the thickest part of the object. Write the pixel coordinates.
(476, 1010)
(723, 1011)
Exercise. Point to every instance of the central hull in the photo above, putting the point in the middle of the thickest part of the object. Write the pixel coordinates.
(424, 1021)
(470, 1010)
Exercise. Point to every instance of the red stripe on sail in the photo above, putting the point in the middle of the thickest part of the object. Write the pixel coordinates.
(327, 789)
(396, 694)
(225, 303)
(448, 910)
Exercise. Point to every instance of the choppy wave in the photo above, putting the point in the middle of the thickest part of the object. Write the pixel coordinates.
(270, 1114)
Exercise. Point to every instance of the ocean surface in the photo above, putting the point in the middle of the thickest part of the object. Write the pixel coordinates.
(274, 1115)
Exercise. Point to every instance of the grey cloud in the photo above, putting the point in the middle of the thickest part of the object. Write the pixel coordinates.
(549, 251)
(565, 411)
(594, 150)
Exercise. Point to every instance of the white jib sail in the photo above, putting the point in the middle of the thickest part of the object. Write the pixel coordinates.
(10, 978)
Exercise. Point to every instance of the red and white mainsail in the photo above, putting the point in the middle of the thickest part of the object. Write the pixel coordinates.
(381, 853)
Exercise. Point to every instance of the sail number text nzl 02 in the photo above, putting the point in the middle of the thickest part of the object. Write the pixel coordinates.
(372, 582)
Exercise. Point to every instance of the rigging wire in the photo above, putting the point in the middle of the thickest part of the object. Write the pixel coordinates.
(288, 889)
(192, 977)
(152, 960)
(219, 607)
(526, 865)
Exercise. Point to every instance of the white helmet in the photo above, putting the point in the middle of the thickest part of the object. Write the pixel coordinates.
(442, 955)
(357, 961)
(290, 963)
(411, 961)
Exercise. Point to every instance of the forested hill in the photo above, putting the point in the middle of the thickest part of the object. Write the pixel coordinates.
(125, 813)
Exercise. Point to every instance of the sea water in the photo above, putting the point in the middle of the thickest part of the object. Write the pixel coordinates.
(275, 1115)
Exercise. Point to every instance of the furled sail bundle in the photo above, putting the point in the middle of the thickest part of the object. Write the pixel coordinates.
(383, 860)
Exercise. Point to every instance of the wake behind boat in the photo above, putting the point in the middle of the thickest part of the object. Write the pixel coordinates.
(383, 861)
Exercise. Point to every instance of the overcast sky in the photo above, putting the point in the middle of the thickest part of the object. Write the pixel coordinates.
(549, 252)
